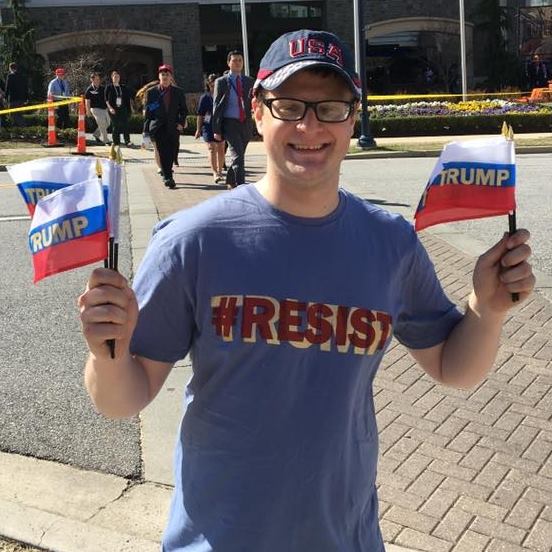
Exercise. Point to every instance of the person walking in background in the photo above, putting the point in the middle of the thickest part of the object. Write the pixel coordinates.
(288, 315)
(165, 118)
(204, 128)
(119, 104)
(537, 73)
(16, 93)
(96, 107)
(59, 89)
(232, 116)
(140, 103)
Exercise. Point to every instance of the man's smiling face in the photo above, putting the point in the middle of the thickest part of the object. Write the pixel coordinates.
(306, 153)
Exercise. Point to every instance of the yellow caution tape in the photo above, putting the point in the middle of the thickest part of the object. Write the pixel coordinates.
(426, 96)
(74, 99)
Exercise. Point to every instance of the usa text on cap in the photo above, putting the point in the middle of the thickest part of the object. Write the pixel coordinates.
(299, 50)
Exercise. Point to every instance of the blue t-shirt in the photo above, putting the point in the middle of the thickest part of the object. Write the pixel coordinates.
(286, 319)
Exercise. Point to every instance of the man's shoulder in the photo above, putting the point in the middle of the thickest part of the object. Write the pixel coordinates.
(177, 90)
(377, 216)
(217, 213)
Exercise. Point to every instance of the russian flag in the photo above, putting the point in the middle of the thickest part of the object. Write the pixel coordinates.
(471, 179)
(38, 178)
(69, 229)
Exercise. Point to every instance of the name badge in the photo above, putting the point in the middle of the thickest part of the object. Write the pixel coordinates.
(119, 102)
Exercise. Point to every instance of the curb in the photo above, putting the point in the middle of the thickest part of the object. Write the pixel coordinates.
(391, 154)
(399, 154)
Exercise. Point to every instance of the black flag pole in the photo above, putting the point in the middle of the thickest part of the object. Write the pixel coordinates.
(108, 261)
(508, 133)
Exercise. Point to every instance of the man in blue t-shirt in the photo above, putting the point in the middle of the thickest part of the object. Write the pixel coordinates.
(286, 294)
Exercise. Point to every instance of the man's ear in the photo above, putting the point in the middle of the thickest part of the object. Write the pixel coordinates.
(257, 109)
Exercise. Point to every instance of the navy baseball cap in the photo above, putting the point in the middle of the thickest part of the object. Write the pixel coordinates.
(303, 49)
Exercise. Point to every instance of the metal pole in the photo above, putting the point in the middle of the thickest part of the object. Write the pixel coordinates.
(463, 52)
(358, 47)
(244, 38)
(366, 140)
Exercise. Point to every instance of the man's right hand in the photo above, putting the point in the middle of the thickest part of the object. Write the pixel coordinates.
(108, 310)
(218, 137)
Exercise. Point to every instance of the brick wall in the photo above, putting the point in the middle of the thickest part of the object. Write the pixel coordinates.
(179, 21)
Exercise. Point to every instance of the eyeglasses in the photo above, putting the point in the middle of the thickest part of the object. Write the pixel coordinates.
(326, 111)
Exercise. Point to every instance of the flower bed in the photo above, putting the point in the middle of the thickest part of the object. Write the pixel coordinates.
(447, 109)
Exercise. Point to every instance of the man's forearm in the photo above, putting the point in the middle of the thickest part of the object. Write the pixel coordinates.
(118, 387)
(470, 350)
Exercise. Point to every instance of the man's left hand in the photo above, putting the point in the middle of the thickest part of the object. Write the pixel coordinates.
(502, 270)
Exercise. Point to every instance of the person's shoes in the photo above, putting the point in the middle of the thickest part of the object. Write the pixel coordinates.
(98, 141)
(160, 172)
(129, 144)
(230, 178)
(108, 143)
(170, 183)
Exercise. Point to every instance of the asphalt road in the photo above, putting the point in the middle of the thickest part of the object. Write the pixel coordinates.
(44, 409)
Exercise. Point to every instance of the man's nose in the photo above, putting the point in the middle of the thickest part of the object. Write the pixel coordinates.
(309, 118)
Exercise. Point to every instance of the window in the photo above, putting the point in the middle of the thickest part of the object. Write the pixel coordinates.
(294, 11)
(234, 8)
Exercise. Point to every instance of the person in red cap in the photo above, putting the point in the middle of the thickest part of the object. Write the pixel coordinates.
(59, 89)
(165, 118)
(287, 294)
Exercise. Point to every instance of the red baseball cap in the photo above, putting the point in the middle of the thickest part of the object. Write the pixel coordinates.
(60, 71)
(165, 67)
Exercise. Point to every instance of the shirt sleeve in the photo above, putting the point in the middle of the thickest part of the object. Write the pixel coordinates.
(165, 293)
(203, 105)
(426, 315)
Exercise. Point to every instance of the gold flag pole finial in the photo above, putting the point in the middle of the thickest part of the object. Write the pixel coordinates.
(98, 168)
(119, 156)
(510, 133)
(113, 152)
(505, 129)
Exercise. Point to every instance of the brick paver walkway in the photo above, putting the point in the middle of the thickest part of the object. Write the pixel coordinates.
(461, 471)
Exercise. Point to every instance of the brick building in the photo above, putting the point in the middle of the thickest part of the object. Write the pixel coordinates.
(411, 44)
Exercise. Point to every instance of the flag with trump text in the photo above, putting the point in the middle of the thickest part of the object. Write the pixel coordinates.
(472, 179)
(38, 178)
(69, 229)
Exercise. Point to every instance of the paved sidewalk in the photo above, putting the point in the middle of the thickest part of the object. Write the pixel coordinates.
(459, 471)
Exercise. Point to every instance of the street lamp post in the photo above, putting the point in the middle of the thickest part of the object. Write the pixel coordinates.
(366, 140)
(463, 51)
(244, 38)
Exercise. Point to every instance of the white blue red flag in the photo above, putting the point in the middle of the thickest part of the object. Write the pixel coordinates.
(69, 229)
(472, 179)
(40, 177)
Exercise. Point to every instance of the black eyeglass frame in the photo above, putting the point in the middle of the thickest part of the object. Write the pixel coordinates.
(312, 105)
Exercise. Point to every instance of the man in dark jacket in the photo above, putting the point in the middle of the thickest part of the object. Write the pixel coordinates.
(16, 93)
(232, 115)
(165, 117)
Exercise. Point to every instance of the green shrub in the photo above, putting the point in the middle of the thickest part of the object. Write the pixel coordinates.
(136, 122)
(468, 124)
(392, 127)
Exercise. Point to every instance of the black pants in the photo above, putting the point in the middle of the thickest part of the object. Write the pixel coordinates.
(119, 125)
(166, 142)
(62, 117)
(17, 118)
(237, 135)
